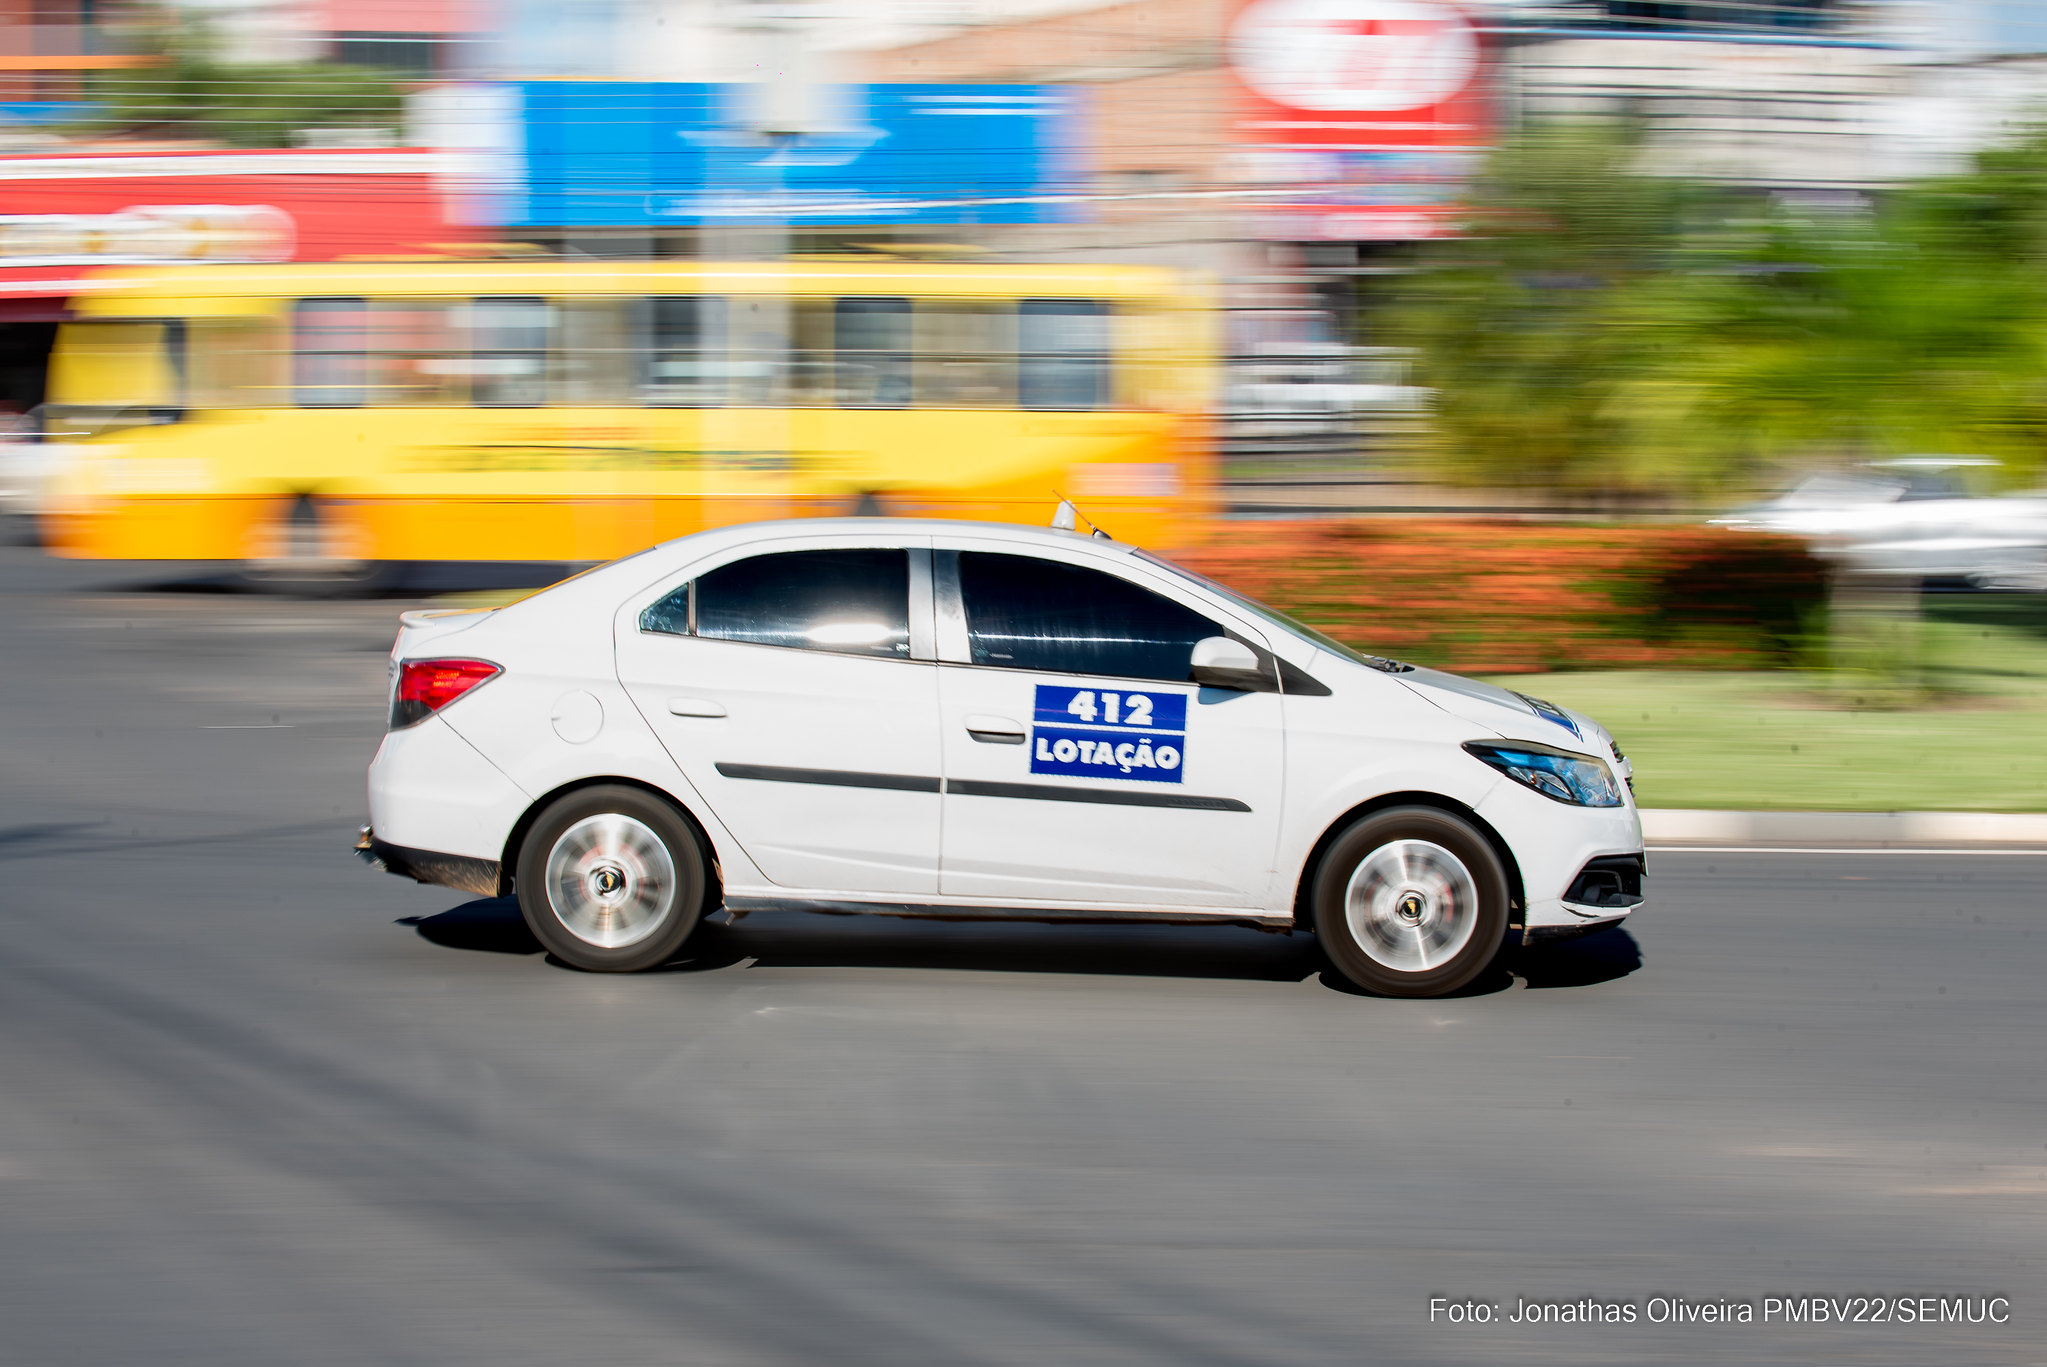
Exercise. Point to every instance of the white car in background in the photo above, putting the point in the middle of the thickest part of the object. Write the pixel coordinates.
(973, 720)
(27, 463)
(1913, 518)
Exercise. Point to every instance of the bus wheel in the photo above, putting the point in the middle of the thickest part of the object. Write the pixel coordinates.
(303, 555)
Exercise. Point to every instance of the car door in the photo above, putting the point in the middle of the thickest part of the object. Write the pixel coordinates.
(1081, 764)
(794, 686)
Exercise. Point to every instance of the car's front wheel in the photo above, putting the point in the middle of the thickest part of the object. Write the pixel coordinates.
(612, 879)
(1410, 902)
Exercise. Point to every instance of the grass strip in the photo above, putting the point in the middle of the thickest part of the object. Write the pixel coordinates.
(1960, 725)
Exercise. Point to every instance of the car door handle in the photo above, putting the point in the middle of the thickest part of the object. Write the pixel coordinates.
(995, 730)
(695, 707)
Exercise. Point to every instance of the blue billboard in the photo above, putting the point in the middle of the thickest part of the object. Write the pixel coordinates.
(626, 154)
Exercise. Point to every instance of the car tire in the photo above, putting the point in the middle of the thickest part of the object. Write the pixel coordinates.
(612, 879)
(1410, 902)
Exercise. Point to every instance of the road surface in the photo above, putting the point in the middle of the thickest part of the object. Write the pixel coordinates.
(261, 1105)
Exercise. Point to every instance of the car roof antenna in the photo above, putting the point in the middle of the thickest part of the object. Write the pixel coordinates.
(1066, 517)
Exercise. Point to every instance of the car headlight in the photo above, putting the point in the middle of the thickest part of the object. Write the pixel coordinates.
(1578, 780)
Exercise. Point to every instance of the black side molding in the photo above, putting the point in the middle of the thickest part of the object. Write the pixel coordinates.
(1083, 914)
(830, 778)
(1039, 792)
(1111, 797)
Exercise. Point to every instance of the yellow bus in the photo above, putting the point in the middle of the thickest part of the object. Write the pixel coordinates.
(359, 414)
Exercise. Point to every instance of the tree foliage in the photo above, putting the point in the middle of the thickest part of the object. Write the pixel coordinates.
(192, 92)
(1602, 329)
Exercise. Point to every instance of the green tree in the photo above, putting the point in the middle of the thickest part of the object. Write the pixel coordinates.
(191, 92)
(1540, 327)
(1602, 329)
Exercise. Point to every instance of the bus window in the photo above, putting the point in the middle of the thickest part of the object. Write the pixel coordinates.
(754, 361)
(871, 353)
(686, 361)
(106, 374)
(812, 323)
(416, 353)
(330, 353)
(966, 355)
(234, 362)
(508, 341)
(350, 352)
(1063, 353)
(596, 364)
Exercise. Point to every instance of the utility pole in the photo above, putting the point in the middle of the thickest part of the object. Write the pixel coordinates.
(766, 115)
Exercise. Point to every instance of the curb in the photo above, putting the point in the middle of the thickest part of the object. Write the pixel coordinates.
(1677, 827)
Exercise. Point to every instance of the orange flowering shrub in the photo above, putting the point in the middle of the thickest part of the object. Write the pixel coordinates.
(1492, 596)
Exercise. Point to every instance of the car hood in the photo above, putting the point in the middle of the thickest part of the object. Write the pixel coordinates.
(1514, 716)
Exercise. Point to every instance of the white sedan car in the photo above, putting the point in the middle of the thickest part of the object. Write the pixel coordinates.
(959, 719)
(1913, 519)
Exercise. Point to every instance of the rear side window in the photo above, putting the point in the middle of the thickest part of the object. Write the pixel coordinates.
(1027, 613)
(854, 602)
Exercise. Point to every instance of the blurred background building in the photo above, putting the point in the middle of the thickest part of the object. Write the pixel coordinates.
(1294, 151)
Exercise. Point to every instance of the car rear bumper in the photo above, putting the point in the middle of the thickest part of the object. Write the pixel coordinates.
(484, 877)
(430, 789)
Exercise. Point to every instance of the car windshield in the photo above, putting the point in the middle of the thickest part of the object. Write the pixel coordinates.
(1252, 605)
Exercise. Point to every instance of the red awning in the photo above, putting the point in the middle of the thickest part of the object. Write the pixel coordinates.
(37, 294)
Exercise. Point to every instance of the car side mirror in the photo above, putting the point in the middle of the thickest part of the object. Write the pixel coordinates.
(1220, 662)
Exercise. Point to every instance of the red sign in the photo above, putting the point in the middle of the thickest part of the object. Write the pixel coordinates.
(1359, 73)
(1371, 113)
(62, 212)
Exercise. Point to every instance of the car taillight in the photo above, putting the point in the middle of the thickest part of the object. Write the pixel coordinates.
(427, 686)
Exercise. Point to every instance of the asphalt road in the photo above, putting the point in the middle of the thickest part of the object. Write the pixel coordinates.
(262, 1105)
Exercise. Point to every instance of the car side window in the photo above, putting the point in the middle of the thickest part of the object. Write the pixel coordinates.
(853, 602)
(1027, 613)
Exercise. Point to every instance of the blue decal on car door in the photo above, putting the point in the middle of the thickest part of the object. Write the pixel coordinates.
(1109, 733)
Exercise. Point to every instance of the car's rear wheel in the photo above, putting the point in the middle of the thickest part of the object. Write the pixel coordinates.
(1410, 902)
(612, 879)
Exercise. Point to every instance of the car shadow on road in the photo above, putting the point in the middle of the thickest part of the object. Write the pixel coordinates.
(1597, 958)
(1586, 962)
(800, 940)
(489, 925)
(37, 836)
(809, 940)
(804, 940)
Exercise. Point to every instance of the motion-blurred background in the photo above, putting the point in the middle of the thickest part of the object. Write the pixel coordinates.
(1696, 349)
(1682, 362)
